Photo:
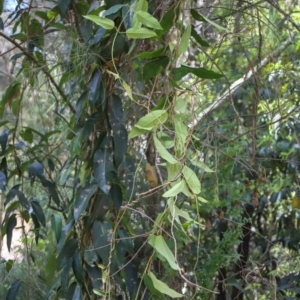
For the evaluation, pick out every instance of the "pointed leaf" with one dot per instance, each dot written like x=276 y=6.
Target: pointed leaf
x=77 y=268
x=2 y=181
x=95 y=86
x=11 y=224
x=50 y=268
x=63 y=6
x=184 y=42
x=3 y=139
x=140 y=33
x=163 y=152
x=148 y=20
x=201 y=18
x=198 y=38
x=163 y=288
x=191 y=179
x=175 y=190
x=38 y=212
x=83 y=197
x=113 y=10
x=155 y=67
x=13 y=290
x=103 y=22
x=160 y=245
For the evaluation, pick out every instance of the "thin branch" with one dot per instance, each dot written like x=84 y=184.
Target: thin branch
x=241 y=81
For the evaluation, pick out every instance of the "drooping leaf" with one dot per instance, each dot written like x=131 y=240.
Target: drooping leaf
x=1 y=21
x=103 y=22
x=36 y=169
x=68 y=250
x=50 y=268
x=148 y=20
x=155 y=67
x=27 y=135
x=94 y=86
x=198 y=38
x=120 y=137
x=163 y=152
x=103 y=166
x=163 y=288
x=140 y=33
x=2 y=181
x=83 y=197
x=77 y=268
x=184 y=41
x=63 y=6
x=201 y=18
x=3 y=140
x=151 y=121
x=98 y=36
x=160 y=245
x=63 y=233
x=38 y=212
x=13 y=290
x=37 y=227
x=113 y=9
x=175 y=190
x=102 y=233
x=11 y=224
x=11 y=93
x=204 y=73
x=11 y=194
x=129 y=170
x=151 y=54
x=191 y=179
x=169 y=19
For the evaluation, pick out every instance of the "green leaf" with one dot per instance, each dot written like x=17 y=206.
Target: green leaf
x=149 y=122
x=184 y=42
x=103 y=22
x=56 y=226
x=113 y=10
x=163 y=152
x=148 y=20
x=175 y=190
x=13 y=290
x=63 y=6
x=140 y=33
x=11 y=224
x=83 y=197
x=103 y=166
x=95 y=87
x=155 y=67
x=169 y=18
x=160 y=245
x=151 y=54
x=201 y=18
x=163 y=288
x=27 y=135
x=165 y=139
x=50 y=268
x=77 y=268
x=204 y=73
x=191 y=179
x=199 y=39
x=11 y=93
x=38 y=212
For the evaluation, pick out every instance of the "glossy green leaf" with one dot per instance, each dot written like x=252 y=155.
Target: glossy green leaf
x=13 y=290
x=191 y=179
x=198 y=38
x=77 y=268
x=151 y=54
x=82 y=199
x=163 y=288
x=160 y=245
x=95 y=86
x=166 y=140
x=148 y=20
x=50 y=268
x=113 y=9
x=184 y=41
x=201 y=18
x=27 y=135
x=204 y=73
x=169 y=19
x=152 y=120
x=163 y=152
x=56 y=225
x=103 y=22
x=38 y=212
x=175 y=190
x=155 y=67
x=63 y=6
x=140 y=33
x=11 y=224
x=103 y=167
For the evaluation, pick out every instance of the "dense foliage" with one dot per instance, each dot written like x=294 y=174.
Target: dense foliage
x=150 y=149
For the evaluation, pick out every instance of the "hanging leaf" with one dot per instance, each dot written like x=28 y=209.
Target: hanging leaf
x=120 y=137
x=169 y=19
x=94 y=86
x=198 y=38
x=163 y=152
x=13 y=290
x=2 y=181
x=103 y=22
x=175 y=190
x=11 y=224
x=113 y=10
x=148 y=20
x=103 y=167
x=155 y=67
x=184 y=41
x=11 y=93
x=140 y=33
x=151 y=54
x=149 y=122
x=3 y=140
x=77 y=268
x=191 y=179
x=163 y=288
x=63 y=6
x=38 y=212
x=36 y=169
x=160 y=245
x=83 y=197
x=204 y=73
x=50 y=268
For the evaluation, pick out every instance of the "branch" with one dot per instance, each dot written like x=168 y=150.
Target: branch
x=241 y=81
